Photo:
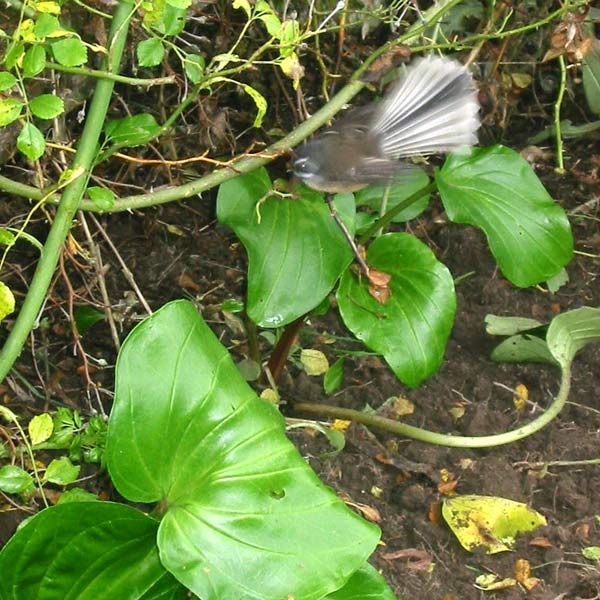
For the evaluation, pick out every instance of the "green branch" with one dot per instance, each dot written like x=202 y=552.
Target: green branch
x=444 y=439
x=246 y=164
x=111 y=76
x=69 y=202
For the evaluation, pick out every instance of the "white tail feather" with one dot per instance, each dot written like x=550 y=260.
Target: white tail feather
x=432 y=109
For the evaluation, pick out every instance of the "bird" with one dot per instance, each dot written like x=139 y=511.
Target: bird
x=432 y=109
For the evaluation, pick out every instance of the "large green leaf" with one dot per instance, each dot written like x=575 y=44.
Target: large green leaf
x=88 y=551
x=495 y=189
x=246 y=517
x=590 y=68
x=296 y=252
x=411 y=329
x=365 y=584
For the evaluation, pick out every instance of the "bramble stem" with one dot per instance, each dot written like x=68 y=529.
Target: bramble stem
x=69 y=202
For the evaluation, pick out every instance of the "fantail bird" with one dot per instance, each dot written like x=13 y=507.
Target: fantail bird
x=432 y=109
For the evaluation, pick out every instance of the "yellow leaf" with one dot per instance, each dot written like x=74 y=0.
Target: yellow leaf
x=521 y=396
x=314 y=362
x=403 y=407
x=51 y=8
x=270 y=395
x=40 y=428
x=490 y=583
x=488 y=521
x=292 y=68
x=340 y=425
x=7 y=301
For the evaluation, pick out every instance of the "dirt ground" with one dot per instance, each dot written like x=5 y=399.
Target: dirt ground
x=204 y=261
x=179 y=250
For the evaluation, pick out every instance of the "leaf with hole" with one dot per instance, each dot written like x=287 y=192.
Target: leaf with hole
x=187 y=431
x=495 y=189
x=411 y=329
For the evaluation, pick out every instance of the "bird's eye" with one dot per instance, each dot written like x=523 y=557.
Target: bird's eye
x=305 y=166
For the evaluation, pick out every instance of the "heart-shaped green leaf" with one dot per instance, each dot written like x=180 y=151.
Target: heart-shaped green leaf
x=86 y=550
x=495 y=189
x=296 y=252
x=411 y=329
x=245 y=515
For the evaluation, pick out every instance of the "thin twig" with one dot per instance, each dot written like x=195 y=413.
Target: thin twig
x=97 y=256
x=126 y=272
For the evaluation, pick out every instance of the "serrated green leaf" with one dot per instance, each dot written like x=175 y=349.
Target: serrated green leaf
x=7 y=301
x=46 y=25
x=186 y=429
x=85 y=550
x=10 y=110
x=34 y=60
x=7 y=80
x=590 y=68
x=571 y=331
x=194 y=67
x=378 y=197
x=495 y=189
x=103 y=198
x=46 y=106
x=14 y=480
x=13 y=55
x=292 y=244
x=31 y=142
x=264 y=13
x=172 y=20
x=70 y=52
x=132 y=131
x=150 y=52
x=411 y=329
x=62 y=471
x=40 y=428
